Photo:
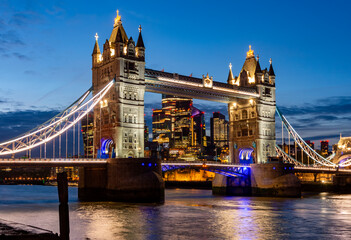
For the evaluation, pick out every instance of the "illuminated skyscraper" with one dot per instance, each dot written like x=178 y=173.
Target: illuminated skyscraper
x=311 y=144
x=88 y=135
x=178 y=125
x=219 y=130
x=325 y=147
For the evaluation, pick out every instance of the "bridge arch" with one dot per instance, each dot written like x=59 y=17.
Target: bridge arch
x=107 y=148
x=246 y=155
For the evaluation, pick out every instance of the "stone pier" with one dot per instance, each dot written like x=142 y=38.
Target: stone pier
x=269 y=179
x=124 y=180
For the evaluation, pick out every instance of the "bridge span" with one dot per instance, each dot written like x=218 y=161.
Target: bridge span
x=227 y=169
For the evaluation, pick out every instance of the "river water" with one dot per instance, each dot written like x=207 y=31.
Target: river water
x=186 y=214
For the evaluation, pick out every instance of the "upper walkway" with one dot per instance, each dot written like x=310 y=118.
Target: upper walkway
x=191 y=87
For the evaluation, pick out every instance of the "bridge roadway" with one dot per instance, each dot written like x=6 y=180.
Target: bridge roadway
x=89 y=162
x=191 y=87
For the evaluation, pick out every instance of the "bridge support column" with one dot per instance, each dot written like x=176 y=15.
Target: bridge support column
x=92 y=183
x=274 y=180
x=135 y=180
x=342 y=183
x=123 y=180
x=231 y=186
x=269 y=179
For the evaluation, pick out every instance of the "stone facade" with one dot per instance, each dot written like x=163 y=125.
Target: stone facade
x=119 y=119
x=252 y=121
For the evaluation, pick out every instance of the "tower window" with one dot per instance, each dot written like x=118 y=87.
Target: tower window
x=245 y=132
x=244 y=114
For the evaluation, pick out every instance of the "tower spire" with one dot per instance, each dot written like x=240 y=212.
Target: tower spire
x=230 y=75
x=250 y=53
x=258 y=66
x=140 y=42
x=117 y=19
x=271 y=71
x=96 y=46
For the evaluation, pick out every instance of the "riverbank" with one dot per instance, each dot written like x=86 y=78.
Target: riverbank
x=11 y=230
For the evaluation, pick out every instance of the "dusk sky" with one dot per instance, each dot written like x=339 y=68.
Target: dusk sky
x=46 y=46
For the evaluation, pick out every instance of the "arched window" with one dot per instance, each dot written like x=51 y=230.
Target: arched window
x=130 y=119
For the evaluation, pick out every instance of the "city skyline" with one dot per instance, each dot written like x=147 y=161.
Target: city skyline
x=46 y=66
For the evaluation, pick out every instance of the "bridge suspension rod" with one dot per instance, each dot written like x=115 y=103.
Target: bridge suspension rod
x=303 y=145
x=55 y=126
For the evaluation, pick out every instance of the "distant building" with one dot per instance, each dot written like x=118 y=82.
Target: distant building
x=87 y=124
x=219 y=130
x=324 y=147
x=146 y=134
x=311 y=144
x=178 y=126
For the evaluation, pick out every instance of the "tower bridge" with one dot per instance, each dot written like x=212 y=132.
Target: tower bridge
x=119 y=82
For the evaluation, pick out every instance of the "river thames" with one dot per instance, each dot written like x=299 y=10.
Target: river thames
x=186 y=214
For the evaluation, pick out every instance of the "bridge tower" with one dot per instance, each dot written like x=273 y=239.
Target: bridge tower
x=119 y=120
x=252 y=121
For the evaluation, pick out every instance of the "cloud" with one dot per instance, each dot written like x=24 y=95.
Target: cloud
x=13 y=124
x=30 y=72
x=21 y=56
x=10 y=38
x=23 y=19
x=330 y=106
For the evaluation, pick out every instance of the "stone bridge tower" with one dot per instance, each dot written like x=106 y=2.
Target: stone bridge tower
x=252 y=121
x=119 y=119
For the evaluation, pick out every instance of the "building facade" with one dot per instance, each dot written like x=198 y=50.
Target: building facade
x=252 y=121
x=119 y=119
x=179 y=126
x=219 y=130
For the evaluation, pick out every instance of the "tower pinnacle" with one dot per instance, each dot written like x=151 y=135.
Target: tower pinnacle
x=117 y=19
x=271 y=71
x=96 y=37
x=230 y=66
x=250 y=53
x=140 y=28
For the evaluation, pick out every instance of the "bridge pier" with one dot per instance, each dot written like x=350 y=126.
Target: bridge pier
x=231 y=186
x=342 y=183
x=269 y=179
x=123 y=180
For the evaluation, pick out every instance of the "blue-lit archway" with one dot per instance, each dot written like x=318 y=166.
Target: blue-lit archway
x=246 y=155
x=107 y=150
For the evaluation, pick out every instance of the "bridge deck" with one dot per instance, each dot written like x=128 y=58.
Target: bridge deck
x=49 y=162
x=90 y=162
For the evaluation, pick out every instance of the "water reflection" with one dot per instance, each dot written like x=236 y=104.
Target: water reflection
x=187 y=214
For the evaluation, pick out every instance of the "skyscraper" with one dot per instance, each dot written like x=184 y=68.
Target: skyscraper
x=325 y=147
x=219 y=130
x=178 y=125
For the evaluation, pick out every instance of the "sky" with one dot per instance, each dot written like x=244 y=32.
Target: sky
x=46 y=46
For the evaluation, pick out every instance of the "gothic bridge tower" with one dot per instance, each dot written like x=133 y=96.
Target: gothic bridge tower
x=119 y=119
x=252 y=121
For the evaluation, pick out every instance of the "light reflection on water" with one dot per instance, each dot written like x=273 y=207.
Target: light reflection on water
x=187 y=214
